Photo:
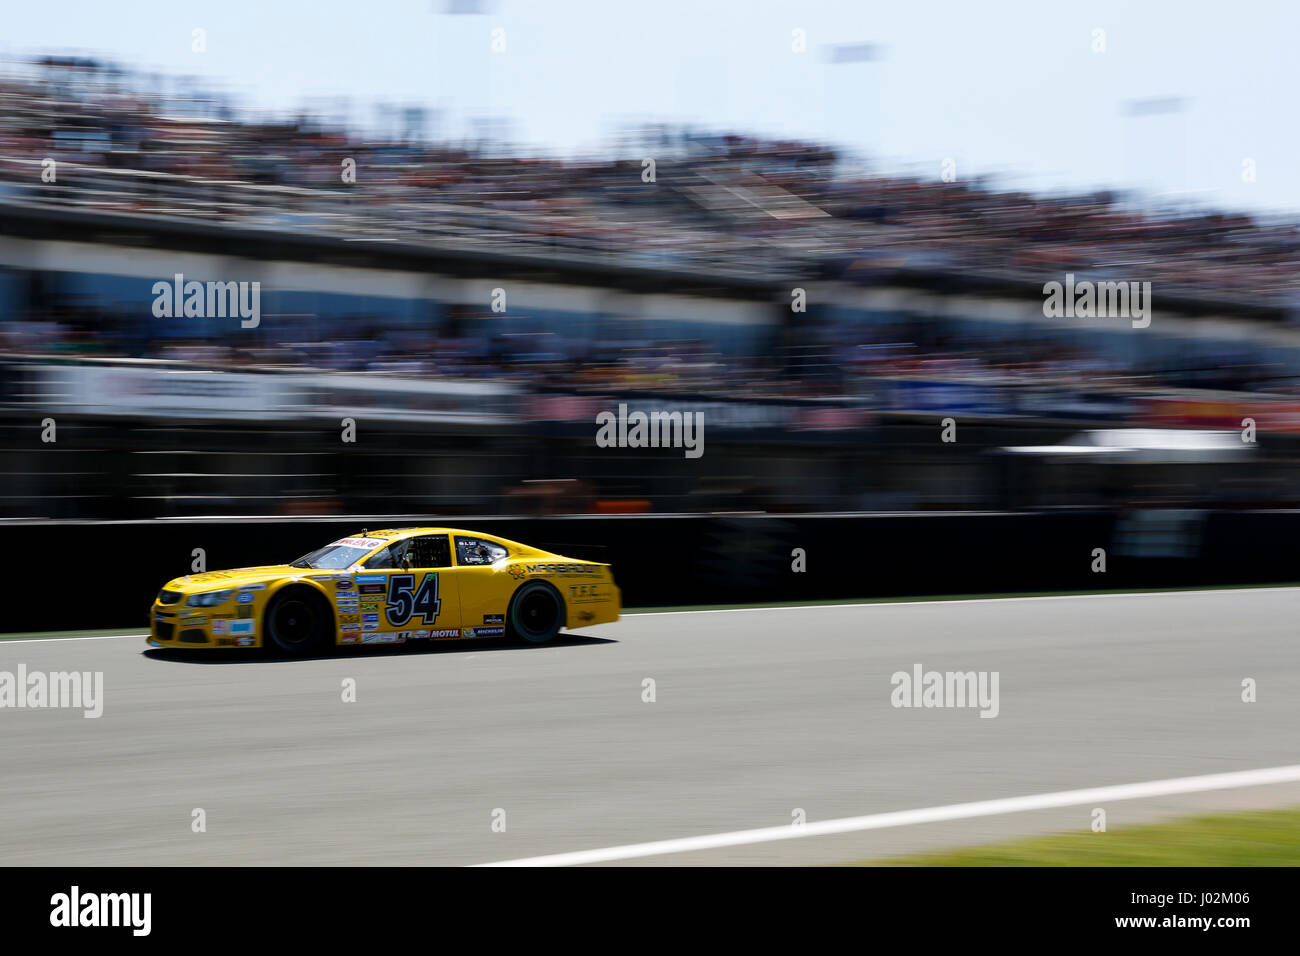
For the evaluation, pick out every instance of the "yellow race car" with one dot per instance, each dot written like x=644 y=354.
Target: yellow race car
x=388 y=587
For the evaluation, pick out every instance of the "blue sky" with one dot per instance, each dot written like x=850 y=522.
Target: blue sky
x=1012 y=89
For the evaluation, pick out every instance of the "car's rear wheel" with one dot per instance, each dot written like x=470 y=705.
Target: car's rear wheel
x=536 y=613
x=298 y=621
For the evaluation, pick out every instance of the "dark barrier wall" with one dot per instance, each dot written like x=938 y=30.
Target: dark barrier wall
x=67 y=576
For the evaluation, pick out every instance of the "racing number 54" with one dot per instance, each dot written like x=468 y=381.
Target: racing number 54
x=404 y=599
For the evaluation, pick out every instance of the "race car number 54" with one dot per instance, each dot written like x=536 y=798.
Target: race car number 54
x=404 y=599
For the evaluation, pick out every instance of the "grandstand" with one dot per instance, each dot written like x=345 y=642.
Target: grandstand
x=923 y=300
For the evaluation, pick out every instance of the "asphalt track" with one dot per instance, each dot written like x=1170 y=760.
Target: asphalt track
x=757 y=713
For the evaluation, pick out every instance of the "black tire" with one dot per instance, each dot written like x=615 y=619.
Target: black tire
x=536 y=613
x=298 y=620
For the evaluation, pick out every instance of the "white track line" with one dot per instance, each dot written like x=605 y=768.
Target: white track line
x=50 y=640
x=902 y=818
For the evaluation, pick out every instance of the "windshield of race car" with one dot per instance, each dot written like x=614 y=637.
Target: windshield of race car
x=339 y=555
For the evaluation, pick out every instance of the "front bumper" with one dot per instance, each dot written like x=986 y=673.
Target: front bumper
x=178 y=626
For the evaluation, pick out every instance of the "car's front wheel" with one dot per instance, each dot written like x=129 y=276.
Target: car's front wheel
x=297 y=621
x=536 y=613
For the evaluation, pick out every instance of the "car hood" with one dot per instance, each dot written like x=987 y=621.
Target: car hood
x=241 y=577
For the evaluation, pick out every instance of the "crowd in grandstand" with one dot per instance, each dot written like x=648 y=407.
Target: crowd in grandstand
x=713 y=195
x=716 y=199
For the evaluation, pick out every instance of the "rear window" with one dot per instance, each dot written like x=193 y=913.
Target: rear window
x=474 y=551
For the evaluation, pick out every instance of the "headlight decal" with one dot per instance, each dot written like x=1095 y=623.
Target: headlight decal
x=208 y=599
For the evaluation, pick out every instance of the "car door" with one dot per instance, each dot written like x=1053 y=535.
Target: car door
x=484 y=590
x=407 y=592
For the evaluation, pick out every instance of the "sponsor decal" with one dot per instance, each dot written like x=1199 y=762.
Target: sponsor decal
x=370 y=579
x=244 y=642
x=320 y=577
x=349 y=621
x=343 y=585
x=585 y=593
x=520 y=570
x=368 y=618
x=242 y=627
x=225 y=642
x=245 y=597
x=413 y=635
x=372 y=588
x=564 y=568
x=245 y=612
x=193 y=621
x=494 y=619
x=252 y=587
x=350 y=637
x=366 y=543
x=371 y=607
x=369 y=627
x=383 y=639
x=443 y=633
x=483 y=631
x=218 y=627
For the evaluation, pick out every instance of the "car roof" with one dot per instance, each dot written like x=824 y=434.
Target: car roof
x=406 y=532
x=392 y=535
x=518 y=548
